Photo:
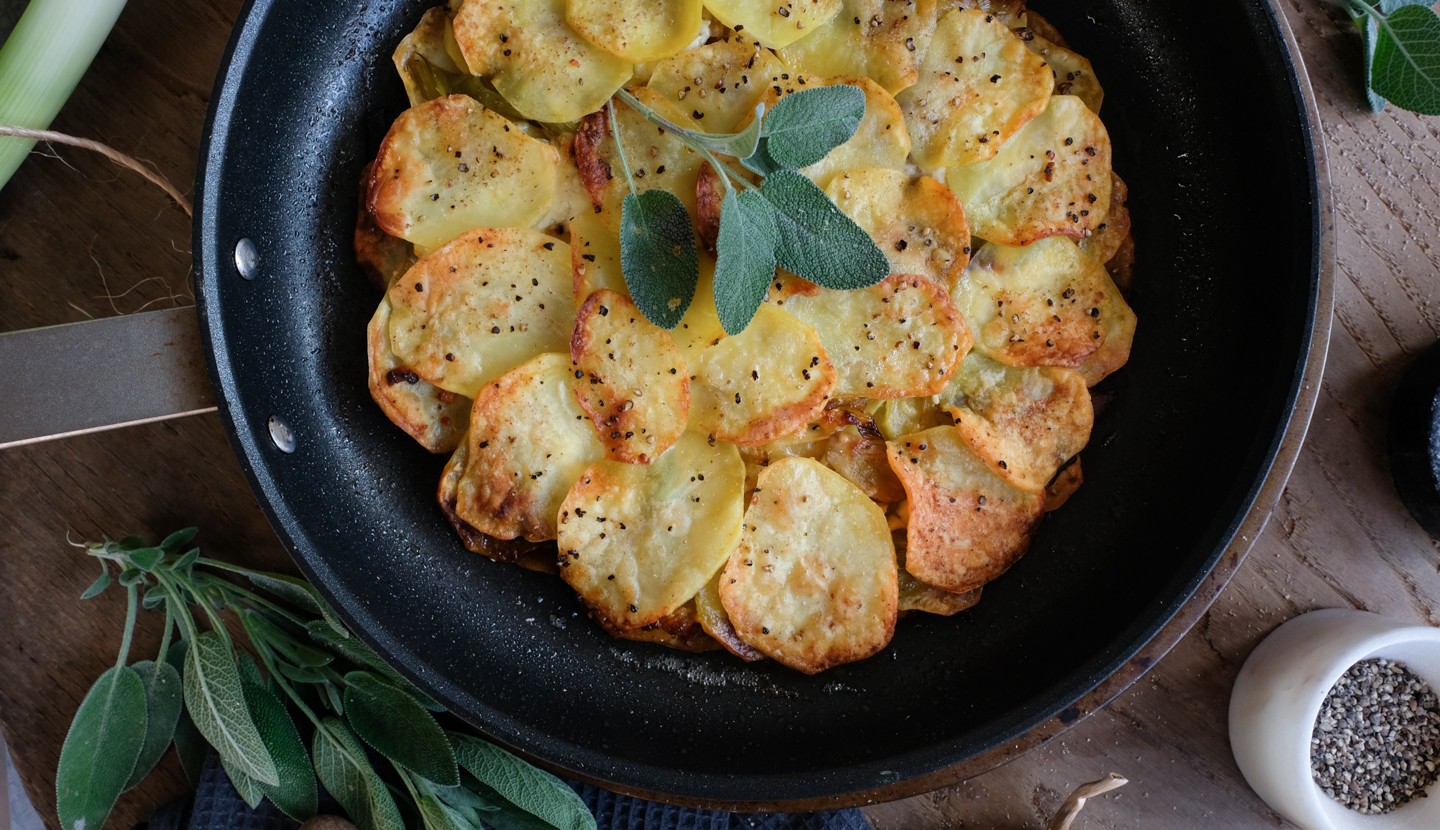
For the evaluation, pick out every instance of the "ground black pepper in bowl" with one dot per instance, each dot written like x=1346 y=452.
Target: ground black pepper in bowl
x=1376 y=743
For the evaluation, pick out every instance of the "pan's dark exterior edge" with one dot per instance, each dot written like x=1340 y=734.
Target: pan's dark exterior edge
x=1190 y=453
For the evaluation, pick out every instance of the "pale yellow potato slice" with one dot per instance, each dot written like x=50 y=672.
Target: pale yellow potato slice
x=636 y=31
x=917 y=222
x=1112 y=234
x=877 y=39
x=1044 y=304
x=595 y=256
x=1052 y=178
x=542 y=66
x=657 y=158
x=978 y=86
x=761 y=384
x=966 y=524
x=450 y=165
x=1024 y=422
x=637 y=541
x=482 y=304
x=422 y=53
x=1009 y=12
x=529 y=442
x=718 y=84
x=629 y=378
x=775 y=23
x=813 y=582
x=1073 y=73
x=916 y=596
x=571 y=198
x=902 y=416
x=432 y=416
x=900 y=338
x=1118 y=322
x=700 y=328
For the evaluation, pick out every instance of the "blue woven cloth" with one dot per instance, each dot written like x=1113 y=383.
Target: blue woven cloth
x=216 y=806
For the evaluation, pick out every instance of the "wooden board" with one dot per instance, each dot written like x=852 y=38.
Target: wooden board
x=75 y=231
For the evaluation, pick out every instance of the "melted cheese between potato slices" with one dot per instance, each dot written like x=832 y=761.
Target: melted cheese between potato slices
x=788 y=492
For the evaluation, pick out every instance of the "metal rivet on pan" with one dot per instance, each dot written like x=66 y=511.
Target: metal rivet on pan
x=247 y=259
x=280 y=433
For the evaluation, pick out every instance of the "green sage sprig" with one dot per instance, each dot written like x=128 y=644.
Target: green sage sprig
x=308 y=675
x=785 y=220
x=1402 y=52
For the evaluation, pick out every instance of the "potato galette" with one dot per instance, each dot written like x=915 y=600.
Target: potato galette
x=789 y=490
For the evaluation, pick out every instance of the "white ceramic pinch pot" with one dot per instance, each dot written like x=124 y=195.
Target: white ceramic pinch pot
x=1278 y=695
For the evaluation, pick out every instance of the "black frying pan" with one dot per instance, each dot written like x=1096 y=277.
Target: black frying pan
x=1210 y=130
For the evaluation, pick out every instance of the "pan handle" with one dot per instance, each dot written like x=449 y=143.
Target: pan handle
x=96 y=375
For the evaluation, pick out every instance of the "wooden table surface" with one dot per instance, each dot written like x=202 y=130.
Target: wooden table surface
x=80 y=239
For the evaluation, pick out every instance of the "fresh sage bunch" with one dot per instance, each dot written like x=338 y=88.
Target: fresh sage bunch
x=373 y=742
x=1402 y=52
x=785 y=220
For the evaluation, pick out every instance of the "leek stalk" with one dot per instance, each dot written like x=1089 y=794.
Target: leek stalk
x=42 y=62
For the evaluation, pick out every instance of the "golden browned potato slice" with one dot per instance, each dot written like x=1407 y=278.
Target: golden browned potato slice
x=967 y=525
x=383 y=258
x=1044 y=28
x=813 y=582
x=629 y=377
x=1118 y=322
x=1024 y=422
x=878 y=39
x=1066 y=482
x=679 y=630
x=529 y=442
x=718 y=84
x=422 y=53
x=522 y=552
x=595 y=256
x=571 y=198
x=917 y=222
x=1052 y=178
x=1044 y=304
x=1111 y=235
x=434 y=417
x=482 y=304
x=450 y=165
x=712 y=617
x=636 y=31
x=900 y=338
x=978 y=86
x=927 y=599
x=863 y=461
x=1073 y=73
x=639 y=540
x=658 y=159
x=542 y=66
x=775 y=23
x=1009 y=12
x=766 y=382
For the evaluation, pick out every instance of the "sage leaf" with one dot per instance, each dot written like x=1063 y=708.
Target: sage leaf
x=805 y=126
x=216 y=703
x=297 y=592
x=399 y=728
x=745 y=261
x=186 y=562
x=300 y=674
x=436 y=816
x=146 y=559
x=248 y=788
x=361 y=656
x=131 y=577
x=1406 y=64
x=190 y=746
x=161 y=683
x=99 y=753
x=818 y=241
x=179 y=539
x=760 y=160
x=658 y=255
x=99 y=585
x=345 y=771
x=132 y=542
x=295 y=794
x=261 y=629
x=1389 y=6
x=153 y=598
x=532 y=790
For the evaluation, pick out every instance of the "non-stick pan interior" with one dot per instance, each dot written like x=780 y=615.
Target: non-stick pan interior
x=1213 y=144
